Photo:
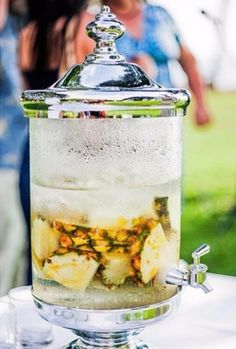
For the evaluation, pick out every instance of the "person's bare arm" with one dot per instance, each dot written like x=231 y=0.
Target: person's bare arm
x=147 y=63
x=83 y=44
x=196 y=84
x=4 y=5
x=23 y=57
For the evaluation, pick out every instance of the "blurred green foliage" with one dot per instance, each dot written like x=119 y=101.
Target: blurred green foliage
x=209 y=204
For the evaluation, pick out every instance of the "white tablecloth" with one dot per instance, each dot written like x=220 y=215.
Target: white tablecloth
x=203 y=321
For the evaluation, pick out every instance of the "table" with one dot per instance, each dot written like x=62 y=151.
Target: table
x=203 y=321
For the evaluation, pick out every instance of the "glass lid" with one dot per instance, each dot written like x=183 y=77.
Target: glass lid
x=105 y=85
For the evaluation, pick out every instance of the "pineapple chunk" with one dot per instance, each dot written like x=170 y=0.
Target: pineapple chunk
x=38 y=265
x=80 y=241
x=69 y=228
x=135 y=248
x=111 y=233
x=45 y=239
x=65 y=241
x=154 y=247
x=101 y=245
x=71 y=270
x=122 y=236
x=86 y=248
x=117 y=268
x=161 y=209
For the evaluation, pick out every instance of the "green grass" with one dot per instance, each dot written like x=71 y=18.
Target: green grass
x=209 y=205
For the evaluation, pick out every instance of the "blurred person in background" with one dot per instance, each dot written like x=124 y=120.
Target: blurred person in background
x=46 y=51
x=151 y=41
x=12 y=138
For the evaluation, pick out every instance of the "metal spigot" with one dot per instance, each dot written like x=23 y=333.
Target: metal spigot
x=194 y=274
x=198 y=271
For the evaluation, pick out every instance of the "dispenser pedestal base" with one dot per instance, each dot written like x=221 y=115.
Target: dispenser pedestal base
x=107 y=329
x=135 y=344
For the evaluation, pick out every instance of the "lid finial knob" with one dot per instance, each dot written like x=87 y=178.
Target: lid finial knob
x=105 y=30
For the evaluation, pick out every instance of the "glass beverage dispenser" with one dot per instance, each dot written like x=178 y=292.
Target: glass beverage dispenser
x=106 y=152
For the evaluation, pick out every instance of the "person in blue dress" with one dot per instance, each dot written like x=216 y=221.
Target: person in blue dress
x=12 y=123
x=12 y=137
x=152 y=41
x=158 y=39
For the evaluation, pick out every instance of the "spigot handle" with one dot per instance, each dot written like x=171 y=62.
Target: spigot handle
x=199 y=252
x=206 y=287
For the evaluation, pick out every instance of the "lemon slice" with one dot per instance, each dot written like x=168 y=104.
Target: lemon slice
x=45 y=239
x=71 y=270
x=117 y=267
x=155 y=246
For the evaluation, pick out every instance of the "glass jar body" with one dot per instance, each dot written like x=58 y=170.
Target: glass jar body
x=105 y=200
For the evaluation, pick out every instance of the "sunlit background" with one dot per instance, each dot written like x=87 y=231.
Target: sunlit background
x=208 y=27
x=209 y=206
